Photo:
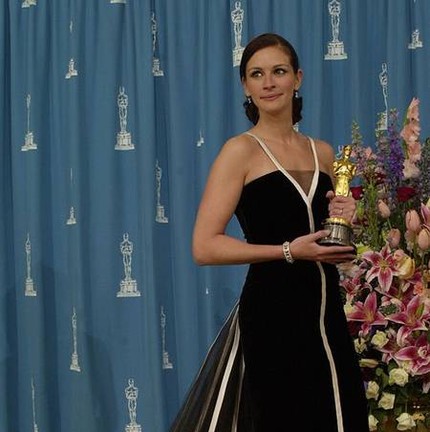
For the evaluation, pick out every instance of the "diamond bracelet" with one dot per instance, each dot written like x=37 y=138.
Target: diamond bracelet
x=287 y=253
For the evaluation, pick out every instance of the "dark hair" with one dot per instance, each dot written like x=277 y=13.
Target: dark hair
x=256 y=44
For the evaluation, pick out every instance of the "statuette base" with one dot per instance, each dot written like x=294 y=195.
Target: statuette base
x=341 y=233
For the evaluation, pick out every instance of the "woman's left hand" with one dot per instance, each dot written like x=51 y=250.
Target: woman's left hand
x=341 y=206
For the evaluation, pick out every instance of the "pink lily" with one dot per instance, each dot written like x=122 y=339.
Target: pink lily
x=367 y=313
x=412 y=286
x=353 y=284
x=418 y=355
x=412 y=318
x=383 y=266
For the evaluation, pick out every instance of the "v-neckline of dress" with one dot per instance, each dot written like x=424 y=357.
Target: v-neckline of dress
x=307 y=197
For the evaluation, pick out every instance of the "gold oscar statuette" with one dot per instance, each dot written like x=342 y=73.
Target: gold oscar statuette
x=340 y=229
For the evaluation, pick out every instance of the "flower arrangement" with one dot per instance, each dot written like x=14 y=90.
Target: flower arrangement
x=386 y=288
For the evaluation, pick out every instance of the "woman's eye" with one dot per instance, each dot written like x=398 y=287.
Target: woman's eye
x=255 y=74
x=280 y=71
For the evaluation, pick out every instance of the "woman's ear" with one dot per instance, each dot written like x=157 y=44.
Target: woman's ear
x=299 y=78
x=245 y=88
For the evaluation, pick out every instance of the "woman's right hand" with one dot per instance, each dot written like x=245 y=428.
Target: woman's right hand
x=307 y=248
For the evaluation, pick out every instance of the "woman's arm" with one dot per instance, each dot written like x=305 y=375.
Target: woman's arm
x=226 y=179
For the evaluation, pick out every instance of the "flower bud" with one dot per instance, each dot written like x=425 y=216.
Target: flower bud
x=368 y=363
x=413 y=221
x=383 y=209
x=393 y=237
x=425 y=212
x=423 y=239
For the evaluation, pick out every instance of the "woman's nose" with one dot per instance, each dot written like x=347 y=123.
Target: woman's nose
x=268 y=81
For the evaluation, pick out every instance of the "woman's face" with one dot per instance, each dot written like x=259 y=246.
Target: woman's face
x=270 y=80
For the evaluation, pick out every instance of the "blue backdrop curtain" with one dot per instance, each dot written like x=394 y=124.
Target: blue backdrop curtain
x=111 y=113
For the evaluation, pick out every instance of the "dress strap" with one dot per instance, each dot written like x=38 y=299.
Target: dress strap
x=314 y=151
x=269 y=153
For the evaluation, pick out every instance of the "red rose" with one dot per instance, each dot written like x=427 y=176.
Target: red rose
x=405 y=192
x=356 y=192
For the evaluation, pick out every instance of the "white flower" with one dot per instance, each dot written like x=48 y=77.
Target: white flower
x=398 y=376
x=405 y=422
x=387 y=401
x=373 y=423
x=372 y=390
x=359 y=345
x=379 y=339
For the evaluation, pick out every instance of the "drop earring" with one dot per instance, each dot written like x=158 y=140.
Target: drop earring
x=248 y=100
x=296 y=94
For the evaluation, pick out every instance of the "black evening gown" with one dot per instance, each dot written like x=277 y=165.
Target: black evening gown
x=284 y=360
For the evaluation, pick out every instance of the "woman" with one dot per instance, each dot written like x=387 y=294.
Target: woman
x=284 y=361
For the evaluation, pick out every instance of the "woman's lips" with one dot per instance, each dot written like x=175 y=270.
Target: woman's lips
x=270 y=97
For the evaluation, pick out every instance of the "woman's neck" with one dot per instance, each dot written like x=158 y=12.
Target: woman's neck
x=282 y=132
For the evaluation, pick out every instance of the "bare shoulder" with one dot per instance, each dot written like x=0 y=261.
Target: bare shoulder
x=237 y=152
x=233 y=160
x=325 y=155
x=324 y=149
x=238 y=146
